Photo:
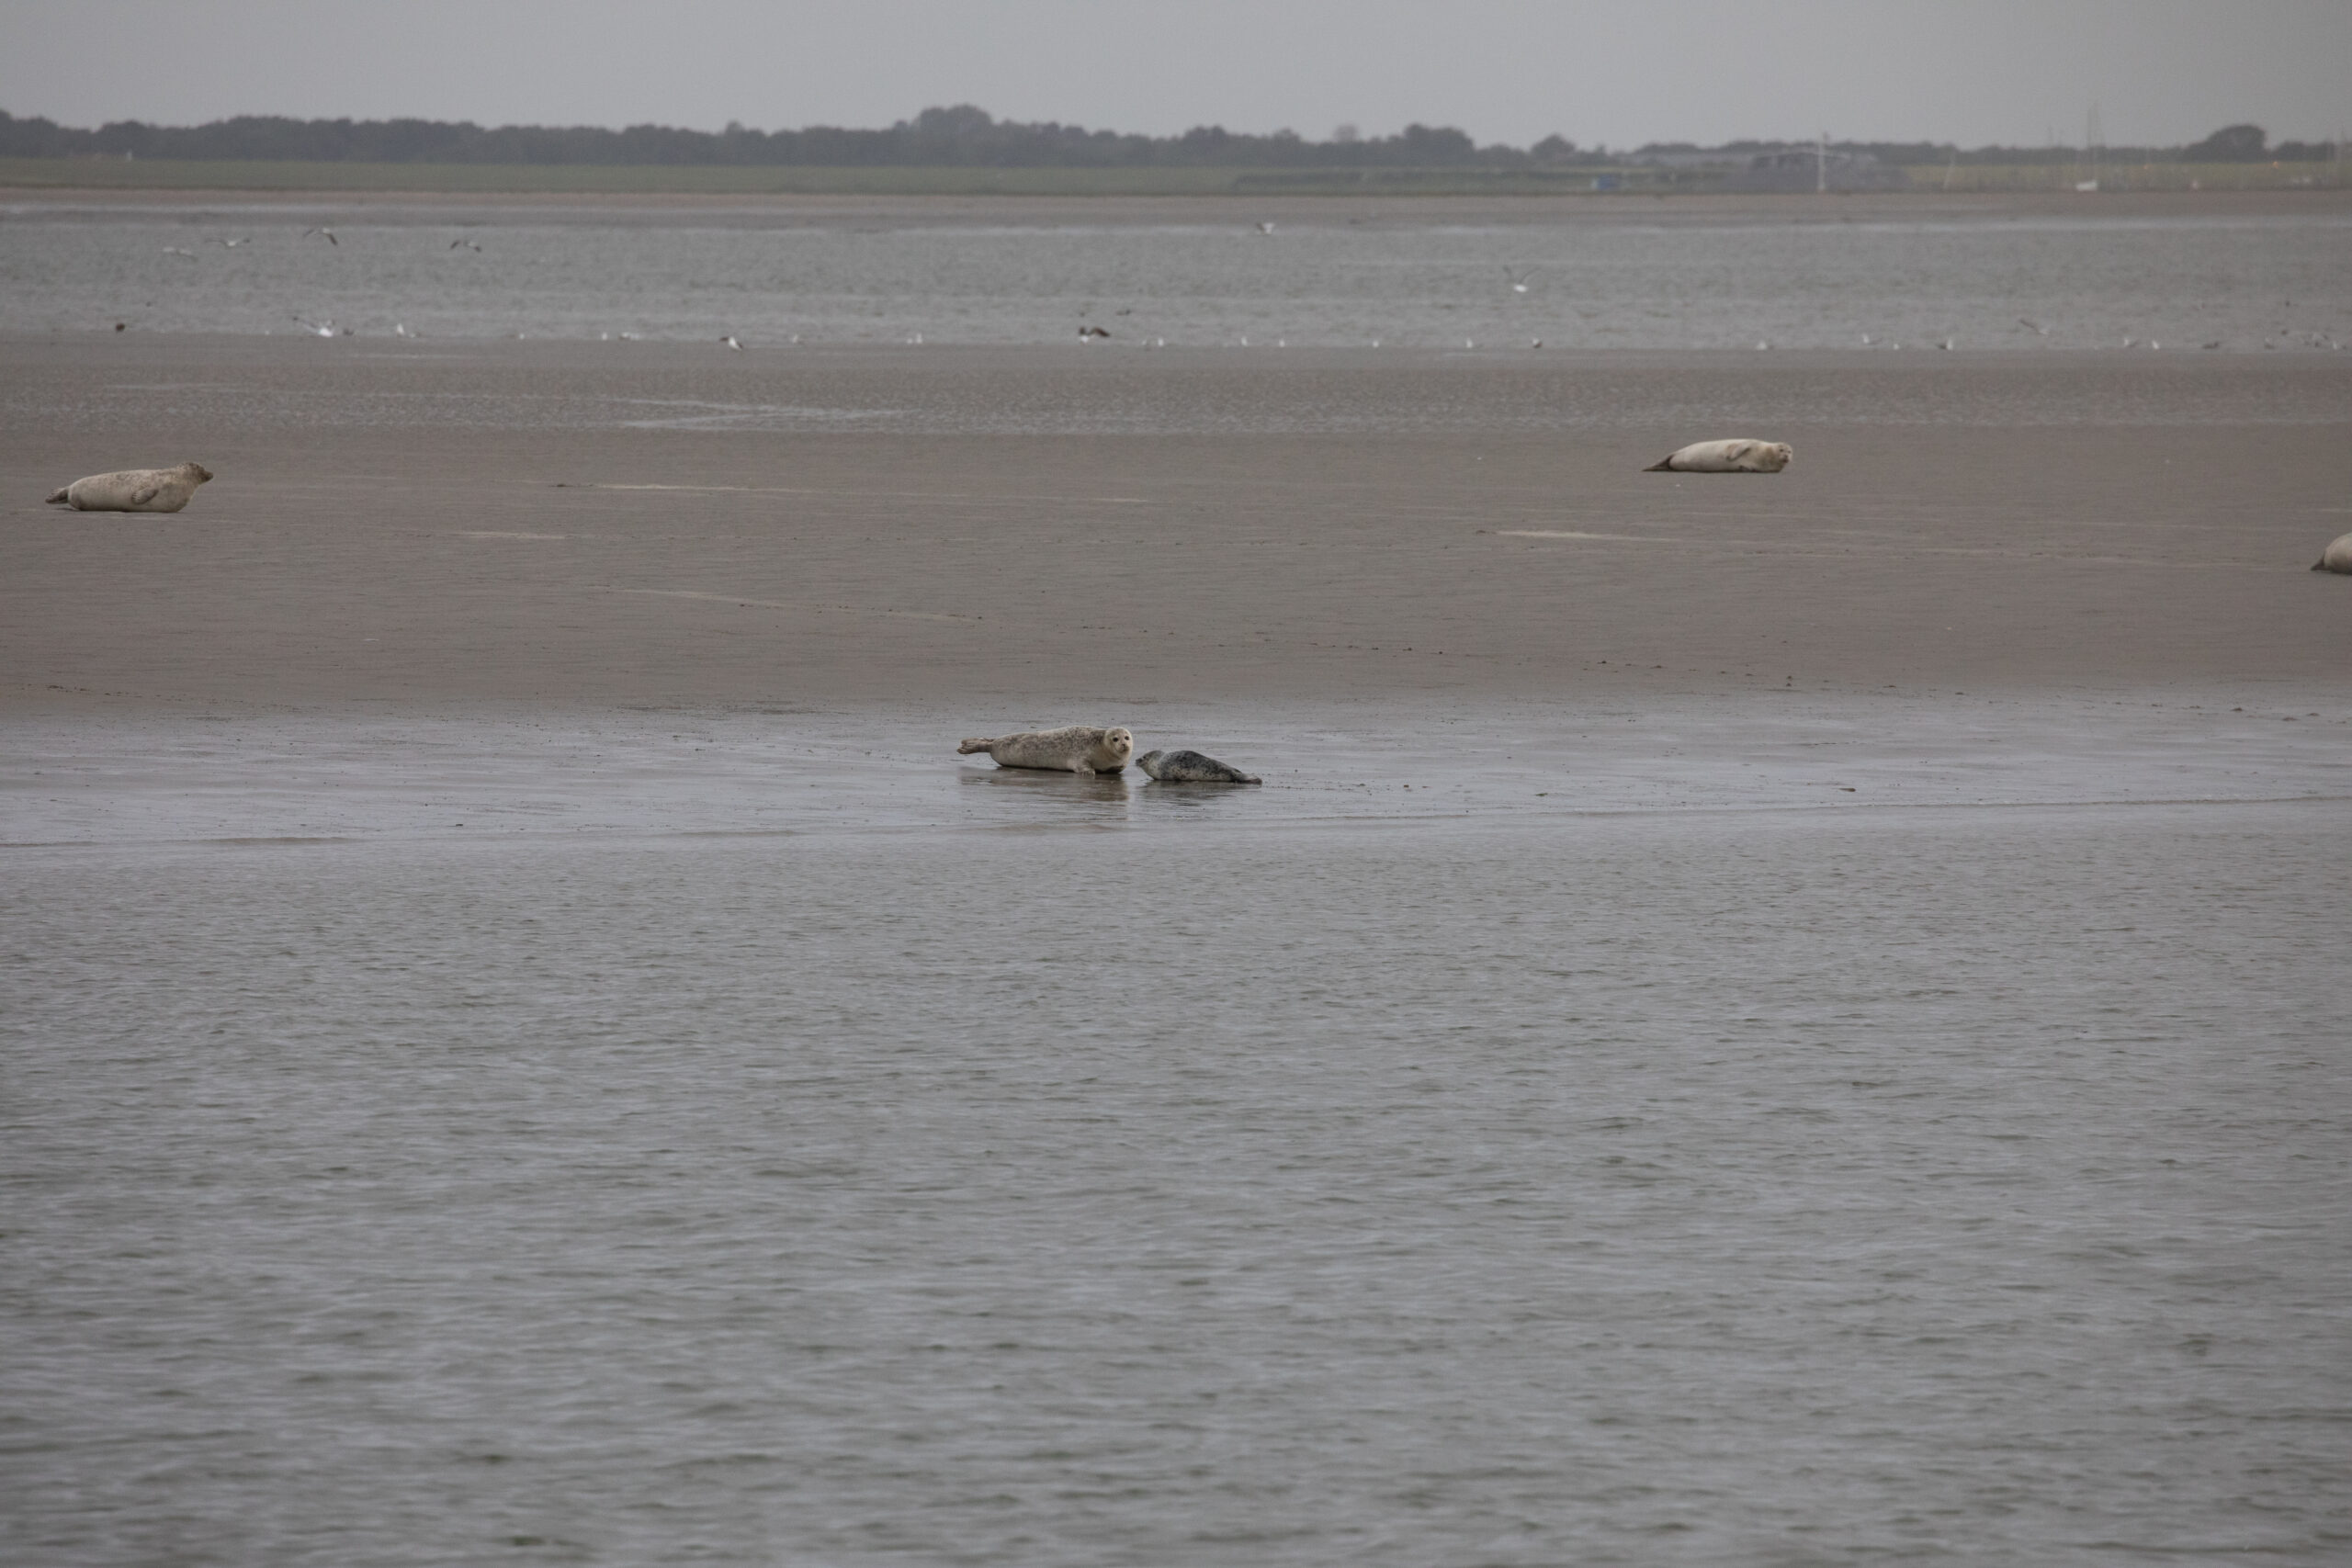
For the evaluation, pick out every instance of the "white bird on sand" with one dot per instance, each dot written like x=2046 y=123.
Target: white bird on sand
x=1947 y=342
x=400 y=329
x=1518 y=280
x=730 y=341
x=232 y=244
x=1536 y=342
x=2034 y=327
x=176 y=251
x=1265 y=228
x=328 y=233
x=1866 y=340
x=469 y=244
x=321 y=329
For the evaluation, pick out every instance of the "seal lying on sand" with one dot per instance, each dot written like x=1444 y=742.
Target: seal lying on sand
x=134 y=489
x=1190 y=767
x=1726 y=457
x=1075 y=749
x=2337 y=557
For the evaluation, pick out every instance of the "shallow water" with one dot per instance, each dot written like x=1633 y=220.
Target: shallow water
x=1620 y=281
x=737 y=1137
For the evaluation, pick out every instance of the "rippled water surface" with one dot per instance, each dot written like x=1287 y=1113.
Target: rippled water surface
x=1613 y=282
x=704 y=1137
x=1867 y=1125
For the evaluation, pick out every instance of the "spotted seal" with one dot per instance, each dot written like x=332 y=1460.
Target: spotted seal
x=1740 y=457
x=1190 y=767
x=134 y=489
x=1073 y=748
x=2337 y=557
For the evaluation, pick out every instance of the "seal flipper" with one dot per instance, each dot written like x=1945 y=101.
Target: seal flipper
x=2319 y=564
x=968 y=747
x=1663 y=466
x=61 y=498
x=142 y=497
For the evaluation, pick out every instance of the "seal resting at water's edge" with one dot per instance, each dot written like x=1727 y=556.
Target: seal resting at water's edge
x=2337 y=557
x=134 y=489
x=1073 y=748
x=1741 y=457
x=1190 y=767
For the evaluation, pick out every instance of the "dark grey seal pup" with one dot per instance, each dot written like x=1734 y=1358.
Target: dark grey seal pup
x=1190 y=767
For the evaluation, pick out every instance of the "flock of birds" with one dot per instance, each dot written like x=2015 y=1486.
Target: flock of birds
x=1518 y=280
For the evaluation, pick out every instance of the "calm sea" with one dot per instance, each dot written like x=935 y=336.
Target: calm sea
x=746 y=1138
x=1596 y=278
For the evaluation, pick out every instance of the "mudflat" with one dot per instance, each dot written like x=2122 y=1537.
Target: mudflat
x=672 y=522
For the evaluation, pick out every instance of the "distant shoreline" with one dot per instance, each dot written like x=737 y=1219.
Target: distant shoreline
x=125 y=175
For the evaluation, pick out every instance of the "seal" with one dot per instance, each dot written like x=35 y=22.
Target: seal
x=2337 y=557
x=1726 y=457
x=1190 y=767
x=1073 y=748
x=134 y=489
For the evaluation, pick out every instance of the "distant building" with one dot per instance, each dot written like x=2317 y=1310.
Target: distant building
x=1810 y=168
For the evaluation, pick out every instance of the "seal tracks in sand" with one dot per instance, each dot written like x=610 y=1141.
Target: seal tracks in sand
x=782 y=604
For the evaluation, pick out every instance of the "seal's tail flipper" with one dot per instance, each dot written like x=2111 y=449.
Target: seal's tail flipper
x=59 y=498
x=1663 y=466
x=969 y=747
x=2319 y=564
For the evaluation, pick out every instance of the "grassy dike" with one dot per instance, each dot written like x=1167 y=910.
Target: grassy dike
x=707 y=179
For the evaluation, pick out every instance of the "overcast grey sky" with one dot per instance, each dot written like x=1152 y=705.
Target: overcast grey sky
x=1969 y=71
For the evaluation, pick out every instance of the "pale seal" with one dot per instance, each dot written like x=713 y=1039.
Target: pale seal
x=1726 y=457
x=1190 y=767
x=2337 y=557
x=134 y=489
x=1074 y=749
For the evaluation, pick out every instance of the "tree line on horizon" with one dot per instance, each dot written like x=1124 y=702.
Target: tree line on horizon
x=966 y=136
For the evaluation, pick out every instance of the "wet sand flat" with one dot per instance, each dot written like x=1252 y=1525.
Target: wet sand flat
x=674 y=523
